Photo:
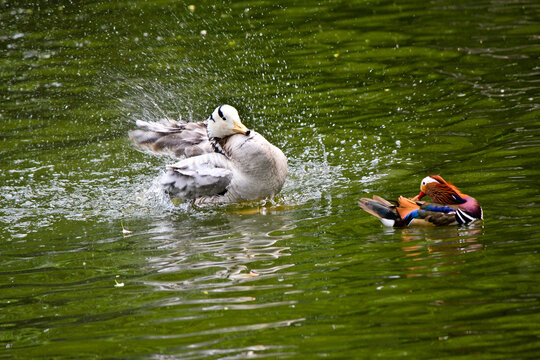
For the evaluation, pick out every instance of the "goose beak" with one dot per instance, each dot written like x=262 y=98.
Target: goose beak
x=240 y=128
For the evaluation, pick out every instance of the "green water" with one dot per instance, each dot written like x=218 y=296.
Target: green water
x=364 y=97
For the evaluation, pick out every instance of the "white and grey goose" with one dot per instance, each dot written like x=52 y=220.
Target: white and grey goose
x=222 y=161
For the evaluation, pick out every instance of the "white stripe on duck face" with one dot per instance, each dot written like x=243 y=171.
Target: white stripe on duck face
x=427 y=180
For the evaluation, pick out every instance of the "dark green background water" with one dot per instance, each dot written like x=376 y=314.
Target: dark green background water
x=364 y=97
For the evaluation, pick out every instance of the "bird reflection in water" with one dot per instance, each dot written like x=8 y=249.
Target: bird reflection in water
x=218 y=259
x=427 y=245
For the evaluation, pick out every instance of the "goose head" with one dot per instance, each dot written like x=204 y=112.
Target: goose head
x=224 y=122
x=440 y=191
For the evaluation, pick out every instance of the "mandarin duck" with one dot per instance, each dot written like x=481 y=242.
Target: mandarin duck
x=222 y=161
x=449 y=206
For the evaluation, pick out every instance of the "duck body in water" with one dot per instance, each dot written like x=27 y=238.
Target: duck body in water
x=448 y=206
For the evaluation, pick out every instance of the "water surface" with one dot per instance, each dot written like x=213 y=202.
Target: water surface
x=364 y=97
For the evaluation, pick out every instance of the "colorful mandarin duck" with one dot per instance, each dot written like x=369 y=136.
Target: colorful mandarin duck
x=449 y=206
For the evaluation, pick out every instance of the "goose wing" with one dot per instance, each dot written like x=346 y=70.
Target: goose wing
x=200 y=176
x=180 y=138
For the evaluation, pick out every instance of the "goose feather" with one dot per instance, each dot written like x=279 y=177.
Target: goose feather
x=221 y=160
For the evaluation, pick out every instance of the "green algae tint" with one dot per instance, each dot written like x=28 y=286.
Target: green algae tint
x=364 y=97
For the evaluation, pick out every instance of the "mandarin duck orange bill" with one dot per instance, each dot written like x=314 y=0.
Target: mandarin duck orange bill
x=449 y=206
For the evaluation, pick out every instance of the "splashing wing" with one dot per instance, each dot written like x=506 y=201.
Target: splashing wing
x=177 y=137
x=197 y=177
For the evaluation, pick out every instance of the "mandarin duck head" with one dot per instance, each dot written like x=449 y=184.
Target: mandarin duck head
x=440 y=191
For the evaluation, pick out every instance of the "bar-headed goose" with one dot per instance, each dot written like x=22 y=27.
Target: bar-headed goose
x=222 y=161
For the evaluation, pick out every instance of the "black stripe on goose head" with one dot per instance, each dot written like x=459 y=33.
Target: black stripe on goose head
x=220 y=113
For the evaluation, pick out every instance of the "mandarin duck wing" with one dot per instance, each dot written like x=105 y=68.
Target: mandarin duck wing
x=384 y=201
x=429 y=206
x=384 y=210
x=440 y=215
x=433 y=218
